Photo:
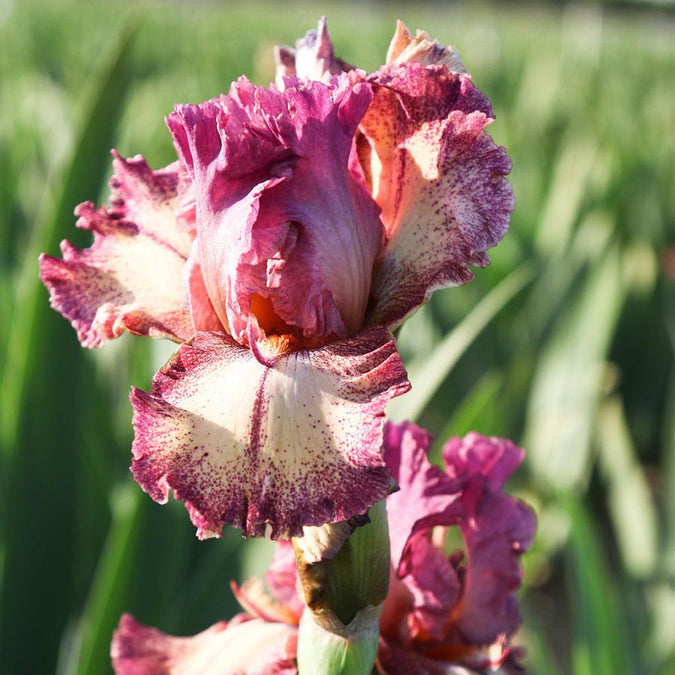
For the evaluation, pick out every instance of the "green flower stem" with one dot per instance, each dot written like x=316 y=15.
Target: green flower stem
x=345 y=579
x=331 y=647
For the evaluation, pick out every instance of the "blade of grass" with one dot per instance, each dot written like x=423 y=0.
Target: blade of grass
x=40 y=427
x=476 y=411
x=599 y=645
x=669 y=443
x=568 y=186
x=539 y=656
x=81 y=180
x=568 y=379
x=631 y=507
x=107 y=597
x=427 y=374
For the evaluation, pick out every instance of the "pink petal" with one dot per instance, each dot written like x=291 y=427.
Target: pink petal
x=203 y=315
x=281 y=578
x=434 y=586
x=240 y=647
x=291 y=442
x=497 y=530
x=285 y=233
x=439 y=179
x=130 y=278
x=427 y=497
x=256 y=601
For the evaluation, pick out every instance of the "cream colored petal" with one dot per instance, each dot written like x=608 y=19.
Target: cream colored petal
x=290 y=442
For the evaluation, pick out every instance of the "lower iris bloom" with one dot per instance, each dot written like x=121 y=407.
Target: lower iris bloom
x=299 y=226
x=448 y=611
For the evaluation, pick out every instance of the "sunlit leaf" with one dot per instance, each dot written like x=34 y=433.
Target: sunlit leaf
x=630 y=503
x=428 y=372
x=569 y=377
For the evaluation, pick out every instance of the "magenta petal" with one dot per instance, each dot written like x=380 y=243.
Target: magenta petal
x=130 y=278
x=434 y=586
x=240 y=647
x=439 y=179
x=428 y=497
x=497 y=530
x=292 y=443
x=285 y=233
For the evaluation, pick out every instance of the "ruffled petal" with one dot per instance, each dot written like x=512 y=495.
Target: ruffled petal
x=240 y=647
x=434 y=587
x=286 y=234
x=497 y=530
x=439 y=179
x=454 y=610
x=427 y=497
x=290 y=442
x=131 y=277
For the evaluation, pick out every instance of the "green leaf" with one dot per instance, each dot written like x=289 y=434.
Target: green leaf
x=108 y=590
x=81 y=180
x=568 y=186
x=40 y=425
x=599 y=643
x=631 y=506
x=569 y=377
x=426 y=374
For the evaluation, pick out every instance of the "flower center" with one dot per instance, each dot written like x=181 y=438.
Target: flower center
x=267 y=318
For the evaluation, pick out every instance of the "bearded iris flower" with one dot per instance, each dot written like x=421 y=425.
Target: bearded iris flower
x=300 y=225
x=446 y=612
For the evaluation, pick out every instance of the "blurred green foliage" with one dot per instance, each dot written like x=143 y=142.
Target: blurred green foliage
x=565 y=343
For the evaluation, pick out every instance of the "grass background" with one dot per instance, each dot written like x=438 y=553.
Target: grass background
x=565 y=343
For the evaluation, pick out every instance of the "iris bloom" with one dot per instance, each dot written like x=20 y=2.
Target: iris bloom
x=447 y=611
x=299 y=226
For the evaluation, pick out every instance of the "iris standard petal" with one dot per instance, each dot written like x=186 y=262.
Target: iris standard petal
x=313 y=57
x=130 y=278
x=439 y=179
x=405 y=48
x=203 y=314
x=286 y=234
x=291 y=442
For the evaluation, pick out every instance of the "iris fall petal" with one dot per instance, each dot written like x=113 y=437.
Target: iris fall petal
x=293 y=442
